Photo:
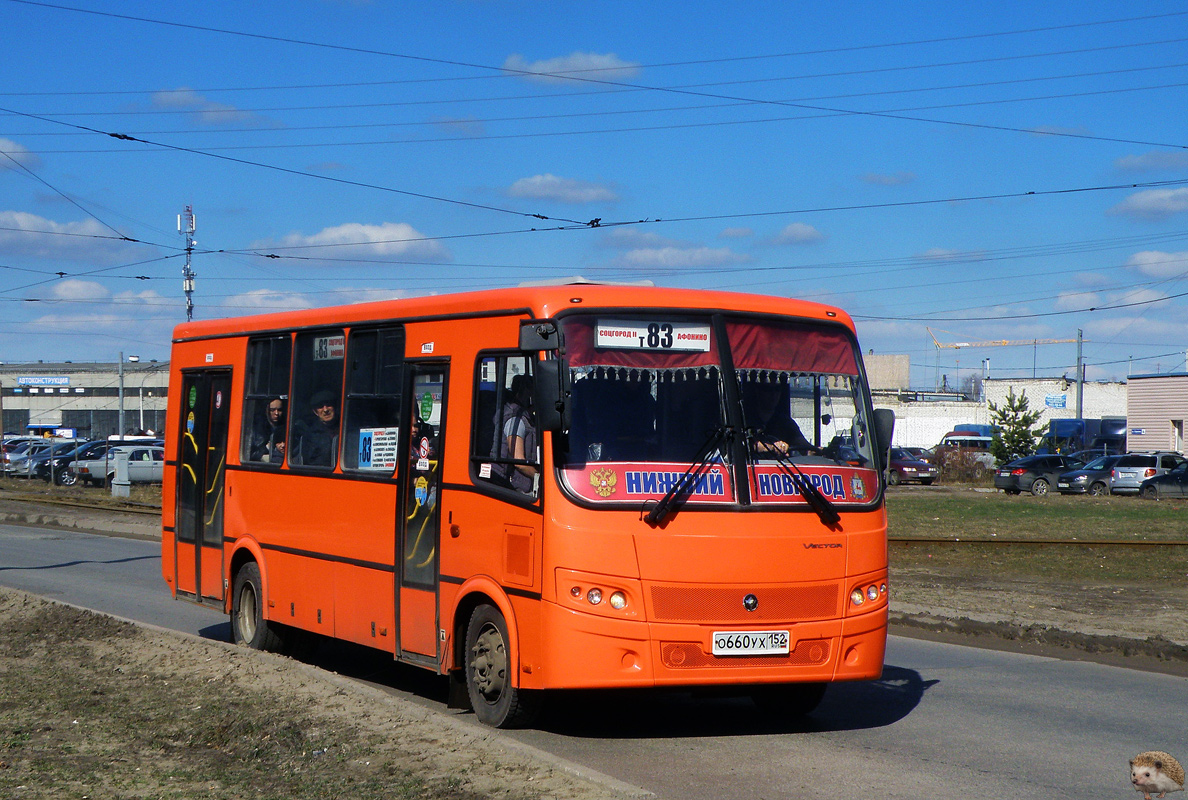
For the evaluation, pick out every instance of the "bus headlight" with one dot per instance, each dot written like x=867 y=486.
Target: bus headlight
x=618 y=601
x=857 y=597
x=594 y=596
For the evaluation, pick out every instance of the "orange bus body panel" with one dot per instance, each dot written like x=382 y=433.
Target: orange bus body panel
x=329 y=551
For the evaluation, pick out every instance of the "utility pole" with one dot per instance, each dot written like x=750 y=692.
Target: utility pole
x=121 y=373
x=187 y=229
x=1080 y=378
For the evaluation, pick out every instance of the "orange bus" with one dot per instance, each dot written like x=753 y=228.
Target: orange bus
x=575 y=486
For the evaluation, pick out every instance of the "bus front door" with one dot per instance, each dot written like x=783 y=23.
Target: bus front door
x=201 y=459
x=420 y=516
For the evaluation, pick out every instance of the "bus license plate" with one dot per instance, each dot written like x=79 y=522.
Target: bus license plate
x=750 y=643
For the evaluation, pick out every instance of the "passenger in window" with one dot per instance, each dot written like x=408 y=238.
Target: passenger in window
x=317 y=438
x=268 y=441
x=774 y=430
x=518 y=439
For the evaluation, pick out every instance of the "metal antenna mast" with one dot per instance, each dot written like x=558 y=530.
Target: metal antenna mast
x=188 y=274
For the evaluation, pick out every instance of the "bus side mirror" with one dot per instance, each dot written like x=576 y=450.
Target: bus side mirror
x=884 y=427
x=550 y=394
x=538 y=335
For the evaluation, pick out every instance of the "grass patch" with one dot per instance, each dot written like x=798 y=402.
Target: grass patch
x=977 y=519
x=968 y=514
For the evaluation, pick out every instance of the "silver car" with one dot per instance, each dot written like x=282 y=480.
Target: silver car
x=146 y=464
x=1133 y=468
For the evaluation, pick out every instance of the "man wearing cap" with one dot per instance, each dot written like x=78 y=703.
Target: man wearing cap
x=317 y=443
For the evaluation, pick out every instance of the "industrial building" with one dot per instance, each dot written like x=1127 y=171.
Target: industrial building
x=87 y=400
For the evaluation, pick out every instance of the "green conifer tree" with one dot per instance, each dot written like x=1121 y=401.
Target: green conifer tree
x=1015 y=433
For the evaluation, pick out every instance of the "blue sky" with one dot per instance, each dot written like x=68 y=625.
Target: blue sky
x=989 y=172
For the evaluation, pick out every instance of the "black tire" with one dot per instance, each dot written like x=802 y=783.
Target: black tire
x=926 y=481
x=248 y=626
x=1040 y=487
x=64 y=477
x=1098 y=489
x=893 y=478
x=788 y=701
x=490 y=669
x=1150 y=492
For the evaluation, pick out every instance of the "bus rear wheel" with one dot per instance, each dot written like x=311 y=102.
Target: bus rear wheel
x=248 y=626
x=489 y=672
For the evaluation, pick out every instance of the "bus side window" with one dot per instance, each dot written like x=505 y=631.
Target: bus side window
x=315 y=413
x=267 y=389
x=505 y=449
x=371 y=422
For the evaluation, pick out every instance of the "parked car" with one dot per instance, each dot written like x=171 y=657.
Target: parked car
x=1093 y=478
x=35 y=464
x=60 y=467
x=1173 y=483
x=963 y=450
x=146 y=464
x=921 y=454
x=1133 y=468
x=1035 y=474
x=906 y=467
x=17 y=463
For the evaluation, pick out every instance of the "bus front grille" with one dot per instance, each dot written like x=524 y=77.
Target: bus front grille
x=690 y=655
x=725 y=605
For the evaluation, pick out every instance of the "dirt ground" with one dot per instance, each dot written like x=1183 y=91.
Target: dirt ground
x=1138 y=626
x=92 y=707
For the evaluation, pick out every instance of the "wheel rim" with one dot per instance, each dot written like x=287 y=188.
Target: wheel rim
x=247 y=612
x=1039 y=487
x=1097 y=490
x=489 y=663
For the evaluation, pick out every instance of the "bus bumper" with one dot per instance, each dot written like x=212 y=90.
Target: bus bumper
x=591 y=651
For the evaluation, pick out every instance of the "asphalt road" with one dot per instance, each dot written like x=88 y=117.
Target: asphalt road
x=945 y=721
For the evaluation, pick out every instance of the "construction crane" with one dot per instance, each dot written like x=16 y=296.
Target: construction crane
x=1033 y=343
x=995 y=342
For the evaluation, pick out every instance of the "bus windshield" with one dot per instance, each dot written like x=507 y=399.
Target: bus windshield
x=748 y=403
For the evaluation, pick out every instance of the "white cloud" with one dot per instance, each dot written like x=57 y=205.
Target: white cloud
x=736 y=233
x=74 y=289
x=626 y=238
x=353 y=239
x=880 y=179
x=576 y=64
x=1159 y=264
x=1154 y=161
x=263 y=301
x=1153 y=204
x=207 y=112
x=18 y=153
x=1151 y=298
x=799 y=233
x=37 y=237
x=1071 y=301
x=679 y=257
x=562 y=190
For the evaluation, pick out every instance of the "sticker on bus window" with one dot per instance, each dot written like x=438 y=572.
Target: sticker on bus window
x=377 y=448
x=329 y=348
x=652 y=335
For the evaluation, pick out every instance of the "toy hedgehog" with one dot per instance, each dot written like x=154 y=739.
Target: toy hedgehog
x=1154 y=771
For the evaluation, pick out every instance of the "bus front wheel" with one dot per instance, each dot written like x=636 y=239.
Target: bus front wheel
x=248 y=626
x=489 y=673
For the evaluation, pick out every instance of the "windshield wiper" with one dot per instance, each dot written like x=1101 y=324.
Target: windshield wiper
x=817 y=501
x=684 y=486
